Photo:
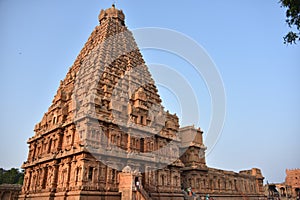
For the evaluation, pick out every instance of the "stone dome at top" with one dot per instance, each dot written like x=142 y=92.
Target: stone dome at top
x=113 y=13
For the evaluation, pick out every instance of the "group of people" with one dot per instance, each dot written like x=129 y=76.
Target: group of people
x=192 y=195
x=207 y=197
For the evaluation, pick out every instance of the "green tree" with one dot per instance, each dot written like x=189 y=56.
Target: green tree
x=1 y=175
x=12 y=176
x=292 y=19
x=21 y=177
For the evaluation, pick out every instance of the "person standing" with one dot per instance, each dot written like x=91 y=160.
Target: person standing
x=207 y=197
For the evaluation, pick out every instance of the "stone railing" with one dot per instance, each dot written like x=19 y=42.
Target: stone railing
x=144 y=193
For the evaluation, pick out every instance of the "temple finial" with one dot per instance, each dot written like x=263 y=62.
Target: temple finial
x=114 y=3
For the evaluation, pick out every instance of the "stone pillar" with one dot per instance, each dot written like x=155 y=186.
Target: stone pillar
x=128 y=143
x=69 y=162
x=125 y=184
x=54 y=181
x=34 y=152
x=29 y=181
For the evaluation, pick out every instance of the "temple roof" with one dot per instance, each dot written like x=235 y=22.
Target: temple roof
x=111 y=13
x=108 y=81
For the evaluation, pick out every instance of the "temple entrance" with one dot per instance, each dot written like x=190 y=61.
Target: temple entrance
x=137 y=183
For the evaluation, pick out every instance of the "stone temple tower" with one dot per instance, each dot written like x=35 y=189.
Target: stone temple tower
x=106 y=116
x=106 y=135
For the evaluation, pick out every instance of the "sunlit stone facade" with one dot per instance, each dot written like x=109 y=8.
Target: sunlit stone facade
x=107 y=136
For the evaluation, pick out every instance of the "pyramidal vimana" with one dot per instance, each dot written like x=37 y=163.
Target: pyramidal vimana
x=106 y=135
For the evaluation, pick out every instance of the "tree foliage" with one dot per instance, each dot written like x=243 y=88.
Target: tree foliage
x=12 y=176
x=292 y=19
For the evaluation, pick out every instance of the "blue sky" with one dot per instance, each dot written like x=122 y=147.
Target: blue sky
x=40 y=40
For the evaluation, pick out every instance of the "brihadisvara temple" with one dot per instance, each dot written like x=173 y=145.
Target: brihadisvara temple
x=106 y=135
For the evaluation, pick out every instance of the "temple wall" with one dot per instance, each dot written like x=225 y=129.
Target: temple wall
x=222 y=183
x=9 y=191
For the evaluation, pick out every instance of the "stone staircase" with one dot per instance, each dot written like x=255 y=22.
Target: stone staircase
x=144 y=193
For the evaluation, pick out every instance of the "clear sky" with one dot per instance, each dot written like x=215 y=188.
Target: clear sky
x=40 y=40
